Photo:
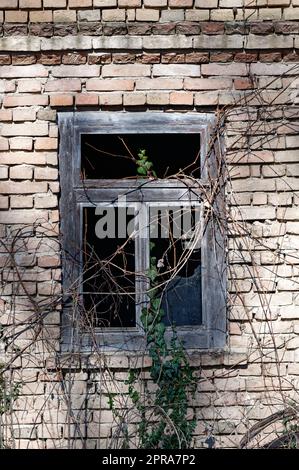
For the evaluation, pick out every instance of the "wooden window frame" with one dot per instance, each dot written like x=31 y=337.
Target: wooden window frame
x=76 y=194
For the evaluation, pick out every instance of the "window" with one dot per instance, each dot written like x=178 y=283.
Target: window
x=116 y=221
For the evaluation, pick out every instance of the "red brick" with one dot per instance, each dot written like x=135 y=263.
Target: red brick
x=46 y=143
x=61 y=100
x=66 y=84
x=221 y=57
x=181 y=98
x=270 y=56
x=5 y=59
x=243 y=83
x=23 y=59
x=50 y=59
x=87 y=99
x=74 y=58
x=48 y=261
x=212 y=28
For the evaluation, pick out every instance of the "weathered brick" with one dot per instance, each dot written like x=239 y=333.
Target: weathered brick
x=54 y=3
x=176 y=70
x=21 y=143
x=167 y=42
x=25 y=100
x=23 y=217
x=27 y=114
x=43 y=16
x=4 y=202
x=269 y=42
x=181 y=98
x=224 y=69
x=69 y=43
x=134 y=99
x=16 y=16
x=76 y=71
x=147 y=15
x=45 y=201
x=73 y=58
x=129 y=3
x=4 y=144
x=8 y=4
x=3 y=172
x=19 y=43
x=21 y=172
x=207 y=83
x=114 y=15
x=87 y=99
x=30 y=71
x=29 y=86
x=45 y=173
x=30 y=4
x=71 y=84
x=46 y=143
x=64 y=16
x=111 y=99
x=95 y=84
x=32 y=129
x=129 y=70
x=159 y=84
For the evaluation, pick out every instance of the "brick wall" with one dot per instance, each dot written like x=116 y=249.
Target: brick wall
x=236 y=58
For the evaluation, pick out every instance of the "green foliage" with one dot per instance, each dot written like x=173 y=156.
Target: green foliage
x=144 y=166
x=7 y=394
x=171 y=372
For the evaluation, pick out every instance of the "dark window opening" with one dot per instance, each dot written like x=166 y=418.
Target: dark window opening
x=179 y=279
x=108 y=274
x=112 y=156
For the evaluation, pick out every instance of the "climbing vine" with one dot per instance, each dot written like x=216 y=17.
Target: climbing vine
x=169 y=371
